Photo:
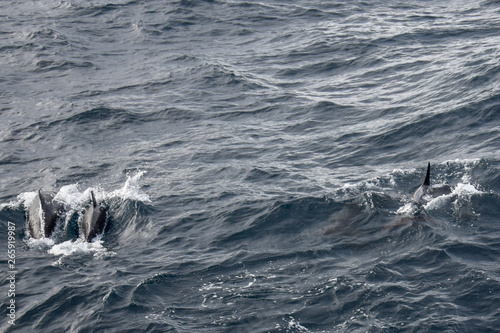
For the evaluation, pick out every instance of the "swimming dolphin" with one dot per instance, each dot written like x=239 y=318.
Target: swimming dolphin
x=43 y=214
x=424 y=188
x=93 y=220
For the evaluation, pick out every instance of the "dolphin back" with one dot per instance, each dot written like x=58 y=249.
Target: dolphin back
x=35 y=217
x=93 y=220
x=98 y=223
x=51 y=211
x=43 y=214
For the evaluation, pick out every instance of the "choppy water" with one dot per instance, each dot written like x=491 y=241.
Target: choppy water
x=257 y=160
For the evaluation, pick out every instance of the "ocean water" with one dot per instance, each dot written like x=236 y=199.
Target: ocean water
x=257 y=161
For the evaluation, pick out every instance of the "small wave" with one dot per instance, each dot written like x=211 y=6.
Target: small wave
x=61 y=65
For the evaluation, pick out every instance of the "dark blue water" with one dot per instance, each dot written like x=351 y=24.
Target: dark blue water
x=257 y=160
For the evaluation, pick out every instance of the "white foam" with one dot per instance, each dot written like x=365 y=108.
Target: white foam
x=71 y=196
x=460 y=191
x=69 y=248
x=22 y=199
x=295 y=325
x=26 y=198
x=40 y=244
x=131 y=189
x=465 y=190
x=436 y=202
x=464 y=162
x=408 y=209
x=74 y=198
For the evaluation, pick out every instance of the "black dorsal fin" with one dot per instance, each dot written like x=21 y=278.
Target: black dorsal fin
x=427 y=180
x=94 y=202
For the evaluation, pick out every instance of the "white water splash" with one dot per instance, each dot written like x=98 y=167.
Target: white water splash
x=295 y=325
x=69 y=248
x=437 y=202
x=72 y=196
x=26 y=198
x=40 y=244
x=460 y=192
x=465 y=190
x=131 y=189
x=410 y=208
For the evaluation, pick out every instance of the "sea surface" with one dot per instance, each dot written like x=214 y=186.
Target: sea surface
x=257 y=160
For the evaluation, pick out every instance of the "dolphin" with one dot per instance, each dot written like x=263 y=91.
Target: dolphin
x=93 y=220
x=43 y=214
x=425 y=187
x=343 y=220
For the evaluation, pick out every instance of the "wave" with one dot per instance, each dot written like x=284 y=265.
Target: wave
x=282 y=143
x=335 y=252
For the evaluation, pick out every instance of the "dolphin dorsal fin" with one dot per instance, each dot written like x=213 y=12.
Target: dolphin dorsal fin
x=427 y=180
x=42 y=199
x=94 y=202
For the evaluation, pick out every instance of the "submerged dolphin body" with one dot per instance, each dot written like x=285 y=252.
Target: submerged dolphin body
x=346 y=221
x=425 y=187
x=43 y=214
x=93 y=221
